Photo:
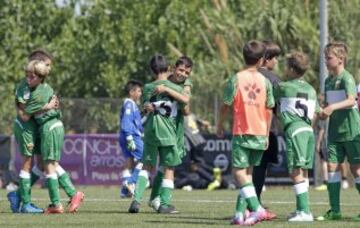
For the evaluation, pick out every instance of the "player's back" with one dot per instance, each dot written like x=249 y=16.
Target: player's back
x=298 y=102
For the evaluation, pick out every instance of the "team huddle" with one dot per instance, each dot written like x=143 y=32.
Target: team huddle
x=255 y=96
x=155 y=142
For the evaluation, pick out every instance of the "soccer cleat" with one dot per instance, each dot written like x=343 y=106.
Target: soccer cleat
x=357 y=218
x=14 y=200
x=131 y=189
x=269 y=215
x=255 y=217
x=54 y=209
x=330 y=215
x=167 y=209
x=155 y=203
x=322 y=187
x=31 y=208
x=292 y=214
x=344 y=184
x=238 y=219
x=75 y=202
x=134 y=207
x=301 y=216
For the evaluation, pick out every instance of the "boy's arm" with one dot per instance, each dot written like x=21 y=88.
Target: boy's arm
x=347 y=103
x=319 y=139
x=34 y=106
x=21 y=113
x=187 y=91
x=126 y=124
x=177 y=96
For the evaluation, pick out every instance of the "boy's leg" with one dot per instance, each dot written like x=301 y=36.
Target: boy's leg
x=52 y=184
x=139 y=190
x=155 y=190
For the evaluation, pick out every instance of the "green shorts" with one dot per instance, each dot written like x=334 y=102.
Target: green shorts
x=169 y=156
x=243 y=157
x=26 y=136
x=338 y=150
x=300 y=146
x=52 y=140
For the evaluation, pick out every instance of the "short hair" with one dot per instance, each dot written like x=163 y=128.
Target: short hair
x=339 y=49
x=271 y=50
x=159 y=64
x=38 y=67
x=184 y=60
x=298 y=61
x=132 y=84
x=40 y=54
x=253 y=51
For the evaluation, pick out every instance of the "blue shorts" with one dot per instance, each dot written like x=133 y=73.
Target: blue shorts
x=137 y=153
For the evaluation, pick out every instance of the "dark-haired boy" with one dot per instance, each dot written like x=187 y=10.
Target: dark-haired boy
x=131 y=131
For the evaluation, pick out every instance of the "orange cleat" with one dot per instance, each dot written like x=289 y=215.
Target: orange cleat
x=75 y=202
x=54 y=209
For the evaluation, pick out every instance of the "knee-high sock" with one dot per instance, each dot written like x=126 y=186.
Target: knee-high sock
x=155 y=191
x=141 y=185
x=53 y=188
x=24 y=187
x=334 y=186
x=248 y=193
x=302 y=197
x=65 y=181
x=167 y=187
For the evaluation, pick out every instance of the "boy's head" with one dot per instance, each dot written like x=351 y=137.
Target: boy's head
x=272 y=51
x=133 y=89
x=253 y=53
x=183 y=68
x=41 y=55
x=297 y=63
x=335 y=55
x=159 y=64
x=36 y=72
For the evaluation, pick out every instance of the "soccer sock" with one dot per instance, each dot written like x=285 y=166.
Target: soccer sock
x=334 y=185
x=36 y=174
x=241 y=205
x=302 y=197
x=126 y=175
x=259 y=173
x=249 y=194
x=53 y=188
x=141 y=185
x=357 y=183
x=24 y=187
x=135 y=173
x=65 y=181
x=167 y=187
x=155 y=191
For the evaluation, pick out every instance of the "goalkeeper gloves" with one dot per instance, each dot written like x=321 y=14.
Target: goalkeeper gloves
x=130 y=145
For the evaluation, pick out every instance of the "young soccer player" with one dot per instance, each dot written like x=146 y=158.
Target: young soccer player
x=298 y=105
x=131 y=131
x=183 y=68
x=344 y=122
x=250 y=95
x=270 y=155
x=160 y=135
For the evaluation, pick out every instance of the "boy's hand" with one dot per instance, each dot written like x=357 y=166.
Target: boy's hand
x=149 y=107
x=160 y=89
x=326 y=112
x=131 y=144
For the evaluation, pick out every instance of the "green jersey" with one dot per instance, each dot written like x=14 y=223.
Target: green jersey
x=38 y=98
x=22 y=96
x=343 y=124
x=160 y=127
x=298 y=102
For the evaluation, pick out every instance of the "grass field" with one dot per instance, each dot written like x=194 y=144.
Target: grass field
x=104 y=208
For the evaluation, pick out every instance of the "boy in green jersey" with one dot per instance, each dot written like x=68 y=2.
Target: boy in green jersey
x=298 y=105
x=344 y=122
x=182 y=71
x=160 y=134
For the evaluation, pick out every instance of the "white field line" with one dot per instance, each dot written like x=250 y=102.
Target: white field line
x=185 y=201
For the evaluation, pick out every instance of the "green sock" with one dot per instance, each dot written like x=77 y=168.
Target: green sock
x=241 y=204
x=167 y=187
x=141 y=185
x=248 y=191
x=66 y=184
x=155 y=191
x=302 y=197
x=53 y=188
x=24 y=187
x=334 y=196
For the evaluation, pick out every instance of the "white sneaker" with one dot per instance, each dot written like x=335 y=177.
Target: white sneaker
x=345 y=184
x=301 y=216
x=264 y=189
x=155 y=203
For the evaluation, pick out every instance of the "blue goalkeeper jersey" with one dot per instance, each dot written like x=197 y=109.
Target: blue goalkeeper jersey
x=130 y=120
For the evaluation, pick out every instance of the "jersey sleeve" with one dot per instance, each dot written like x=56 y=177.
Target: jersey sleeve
x=126 y=121
x=349 y=84
x=230 y=91
x=270 y=103
x=146 y=94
